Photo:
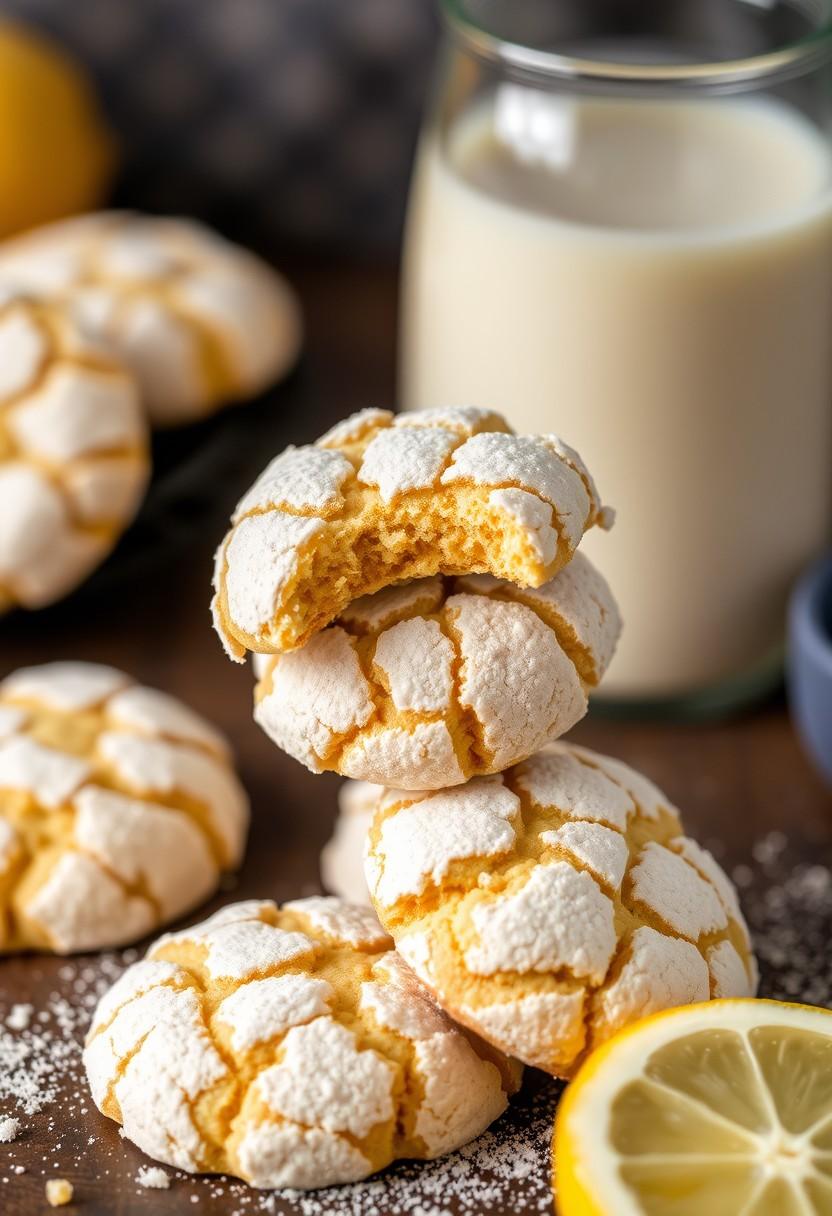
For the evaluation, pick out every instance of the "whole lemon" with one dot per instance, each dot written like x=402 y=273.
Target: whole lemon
x=56 y=153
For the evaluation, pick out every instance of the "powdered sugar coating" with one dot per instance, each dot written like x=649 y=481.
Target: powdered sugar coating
x=427 y=749
x=423 y=686
x=263 y=1009
x=200 y=321
x=299 y=479
x=396 y=461
x=287 y=1155
x=420 y=843
x=560 y=920
x=465 y=420
x=547 y=907
x=258 y=560
x=49 y=776
x=672 y=889
x=417 y=660
x=316 y=696
x=114 y=831
x=659 y=972
x=501 y=460
x=728 y=974
x=332 y=918
x=327 y=524
x=69 y=413
x=325 y=1079
x=548 y=1017
x=316 y=1103
x=578 y=604
x=64 y=686
x=603 y=851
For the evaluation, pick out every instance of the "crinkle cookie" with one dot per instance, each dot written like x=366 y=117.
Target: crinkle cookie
x=428 y=683
x=290 y=1047
x=548 y=907
x=119 y=808
x=380 y=499
x=74 y=458
x=342 y=857
x=200 y=321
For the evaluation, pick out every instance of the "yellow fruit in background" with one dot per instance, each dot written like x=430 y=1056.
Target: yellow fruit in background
x=56 y=154
x=718 y=1109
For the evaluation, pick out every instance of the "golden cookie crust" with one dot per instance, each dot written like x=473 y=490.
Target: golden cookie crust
x=119 y=809
x=429 y=683
x=294 y=1048
x=548 y=907
x=74 y=454
x=380 y=499
x=202 y=322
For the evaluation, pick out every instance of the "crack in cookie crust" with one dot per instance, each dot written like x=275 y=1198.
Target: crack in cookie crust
x=310 y=1056
x=119 y=809
x=431 y=682
x=74 y=458
x=548 y=906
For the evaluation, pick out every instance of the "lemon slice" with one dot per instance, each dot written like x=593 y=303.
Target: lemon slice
x=719 y=1109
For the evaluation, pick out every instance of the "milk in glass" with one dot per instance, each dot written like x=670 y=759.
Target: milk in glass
x=654 y=283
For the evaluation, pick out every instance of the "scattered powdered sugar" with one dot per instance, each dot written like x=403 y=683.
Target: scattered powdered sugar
x=789 y=909
x=507 y=1170
x=38 y=1049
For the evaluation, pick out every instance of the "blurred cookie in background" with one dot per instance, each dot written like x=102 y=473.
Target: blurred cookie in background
x=342 y=857
x=119 y=808
x=201 y=322
x=74 y=461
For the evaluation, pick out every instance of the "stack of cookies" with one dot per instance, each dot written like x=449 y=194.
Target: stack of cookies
x=424 y=623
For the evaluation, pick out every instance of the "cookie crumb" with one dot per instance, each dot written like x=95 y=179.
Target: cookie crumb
x=9 y=1129
x=59 y=1192
x=153 y=1178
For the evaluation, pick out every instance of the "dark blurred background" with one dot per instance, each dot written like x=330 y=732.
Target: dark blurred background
x=275 y=120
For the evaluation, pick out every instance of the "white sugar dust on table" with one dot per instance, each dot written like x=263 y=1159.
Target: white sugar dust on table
x=43 y=1093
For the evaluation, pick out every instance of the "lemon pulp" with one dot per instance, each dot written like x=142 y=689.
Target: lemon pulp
x=728 y=1122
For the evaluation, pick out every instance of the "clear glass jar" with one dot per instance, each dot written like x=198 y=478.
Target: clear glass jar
x=620 y=230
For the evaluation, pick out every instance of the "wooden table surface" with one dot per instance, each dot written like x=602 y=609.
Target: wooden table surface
x=736 y=782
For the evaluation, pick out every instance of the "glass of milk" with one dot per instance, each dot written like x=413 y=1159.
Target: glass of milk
x=620 y=230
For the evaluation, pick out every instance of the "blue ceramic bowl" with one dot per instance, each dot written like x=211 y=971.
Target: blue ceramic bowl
x=810 y=663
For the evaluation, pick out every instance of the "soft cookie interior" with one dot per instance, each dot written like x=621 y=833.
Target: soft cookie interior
x=382 y=499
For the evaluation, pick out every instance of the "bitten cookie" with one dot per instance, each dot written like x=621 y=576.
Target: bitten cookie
x=428 y=683
x=342 y=857
x=381 y=499
x=200 y=321
x=290 y=1047
x=74 y=458
x=548 y=907
x=119 y=807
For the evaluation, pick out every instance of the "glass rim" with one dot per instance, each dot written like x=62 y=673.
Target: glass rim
x=793 y=58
